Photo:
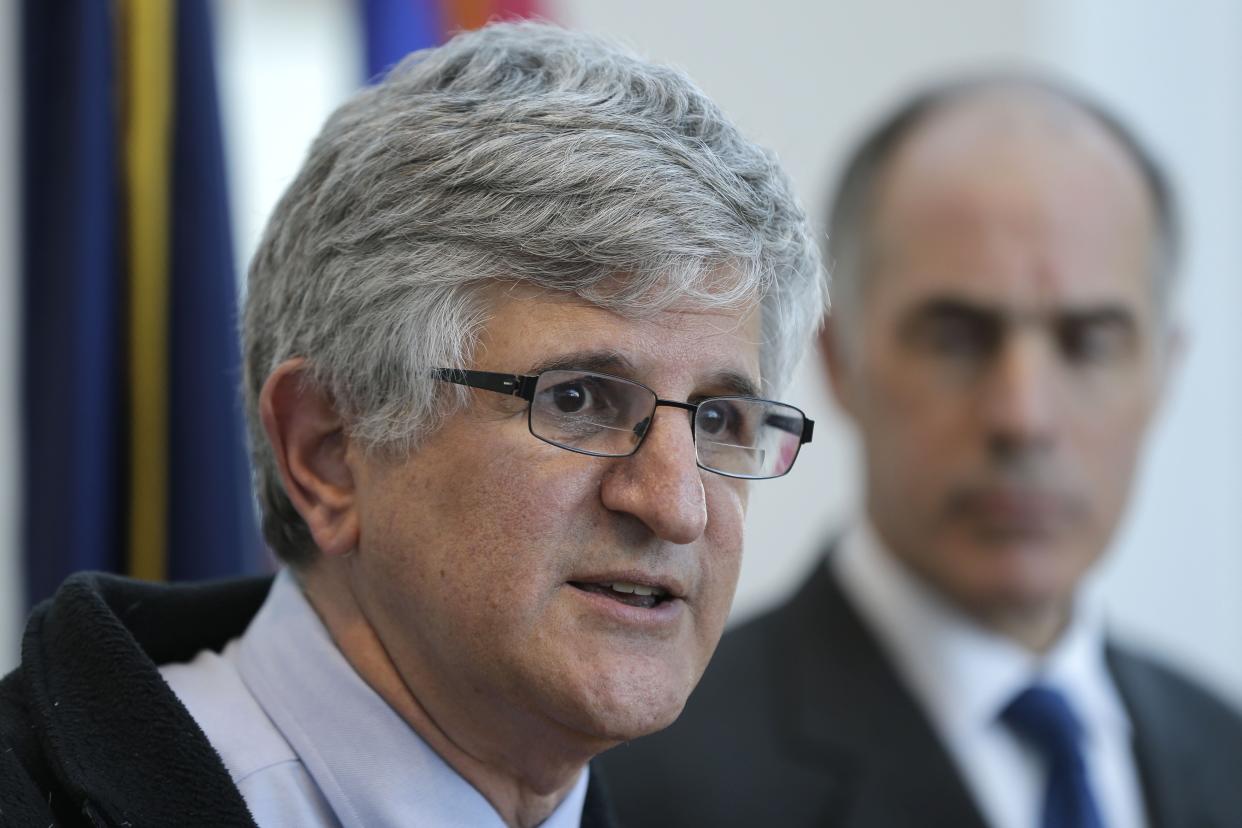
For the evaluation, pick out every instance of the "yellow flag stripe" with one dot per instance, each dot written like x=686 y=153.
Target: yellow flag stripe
x=147 y=38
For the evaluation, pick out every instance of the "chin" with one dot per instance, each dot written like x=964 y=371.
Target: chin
x=627 y=706
x=636 y=724
x=1024 y=593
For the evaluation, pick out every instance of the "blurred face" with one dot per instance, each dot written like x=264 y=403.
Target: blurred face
x=488 y=559
x=1009 y=357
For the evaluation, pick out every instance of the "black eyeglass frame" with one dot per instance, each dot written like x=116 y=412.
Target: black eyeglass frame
x=523 y=386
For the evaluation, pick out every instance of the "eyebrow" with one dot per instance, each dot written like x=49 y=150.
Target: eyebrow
x=953 y=307
x=913 y=323
x=734 y=383
x=1106 y=313
x=604 y=362
x=729 y=382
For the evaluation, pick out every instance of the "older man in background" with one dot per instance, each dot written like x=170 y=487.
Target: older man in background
x=1002 y=335
x=508 y=340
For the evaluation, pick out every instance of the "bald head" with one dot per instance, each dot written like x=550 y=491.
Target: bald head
x=1042 y=152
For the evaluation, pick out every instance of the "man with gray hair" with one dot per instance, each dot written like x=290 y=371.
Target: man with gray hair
x=510 y=338
x=1002 y=331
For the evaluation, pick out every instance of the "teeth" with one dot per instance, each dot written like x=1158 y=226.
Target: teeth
x=635 y=589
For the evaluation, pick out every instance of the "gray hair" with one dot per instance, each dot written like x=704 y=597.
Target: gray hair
x=516 y=153
x=852 y=203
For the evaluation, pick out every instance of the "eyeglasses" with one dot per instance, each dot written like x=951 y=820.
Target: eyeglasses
x=606 y=416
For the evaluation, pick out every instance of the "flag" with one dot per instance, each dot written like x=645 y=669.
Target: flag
x=134 y=456
x=394 y=28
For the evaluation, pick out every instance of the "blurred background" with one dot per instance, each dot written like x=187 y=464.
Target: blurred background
x=804 y=78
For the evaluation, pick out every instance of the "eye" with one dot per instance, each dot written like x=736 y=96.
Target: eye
x=1093 y=341
x=570 y=397
x=953 y=332
x=716 y=417
x=960 y=336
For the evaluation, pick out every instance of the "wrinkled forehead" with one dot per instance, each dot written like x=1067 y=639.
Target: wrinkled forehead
x=530 y=329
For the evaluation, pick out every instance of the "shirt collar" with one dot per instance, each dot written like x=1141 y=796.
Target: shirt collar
x=963 y=673
x=372 y=767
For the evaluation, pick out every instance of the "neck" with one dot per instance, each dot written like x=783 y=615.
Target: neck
x=523 y=768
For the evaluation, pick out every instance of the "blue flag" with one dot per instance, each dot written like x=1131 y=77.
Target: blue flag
x=76 y=283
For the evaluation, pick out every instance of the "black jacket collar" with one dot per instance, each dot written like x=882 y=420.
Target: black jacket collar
x=895 y=768
x=116 y=739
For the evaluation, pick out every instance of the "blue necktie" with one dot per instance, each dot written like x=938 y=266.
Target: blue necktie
x=1042 y=717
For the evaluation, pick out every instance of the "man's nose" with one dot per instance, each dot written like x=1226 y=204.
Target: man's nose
x=661 y=483
x=1020 y=395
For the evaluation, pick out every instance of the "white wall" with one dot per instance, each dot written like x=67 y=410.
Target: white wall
x=10 y=333
x=1174 y=69
x=282 y=67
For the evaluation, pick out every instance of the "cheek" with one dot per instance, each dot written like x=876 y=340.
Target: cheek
x=727 y=499
x=722 y=555
x=526 y=522
x=916 y=435
x=1108 y=450
x=442 y=529
x=555 y=495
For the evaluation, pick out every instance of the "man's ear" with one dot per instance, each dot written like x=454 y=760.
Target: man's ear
x=309 y=441
x=837 y=363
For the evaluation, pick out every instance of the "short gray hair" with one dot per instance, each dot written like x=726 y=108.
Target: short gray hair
x=516 y=153
x=852 y=202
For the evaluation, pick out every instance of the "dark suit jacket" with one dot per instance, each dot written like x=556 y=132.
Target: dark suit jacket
x=801 y=721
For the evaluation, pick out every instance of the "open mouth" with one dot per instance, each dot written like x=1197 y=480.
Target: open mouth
x=634 y=595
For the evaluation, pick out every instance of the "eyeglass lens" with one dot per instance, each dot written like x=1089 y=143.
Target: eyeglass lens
x=608 y=416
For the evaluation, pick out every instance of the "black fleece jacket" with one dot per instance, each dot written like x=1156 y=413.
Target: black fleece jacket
x=89 y=732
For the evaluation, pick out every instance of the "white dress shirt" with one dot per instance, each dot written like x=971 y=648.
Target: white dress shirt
x=309 y=743
x=964 y=675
